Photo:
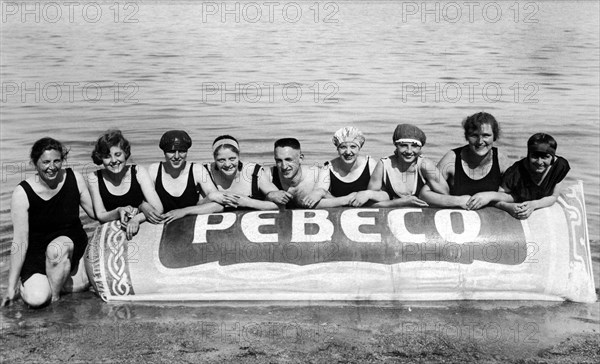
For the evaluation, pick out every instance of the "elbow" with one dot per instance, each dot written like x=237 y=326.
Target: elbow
x=103 y=218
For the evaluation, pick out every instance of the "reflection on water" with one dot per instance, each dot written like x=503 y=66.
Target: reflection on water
x=373 y=68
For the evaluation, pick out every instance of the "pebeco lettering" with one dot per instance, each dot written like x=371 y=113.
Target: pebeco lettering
x=351 y=223
x=202 y=226
x=471 y=226
x=397 y=226
x=252 y=221
x=376 y=235
x=319 y=218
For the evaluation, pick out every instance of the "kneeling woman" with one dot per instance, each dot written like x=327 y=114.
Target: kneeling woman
x=179 y=184
x=239 y=185
x=48 y=234
x=119 y=189
x=398 y=179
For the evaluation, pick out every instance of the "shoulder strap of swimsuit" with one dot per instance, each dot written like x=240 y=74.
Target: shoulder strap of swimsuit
x=158 y=182
x=71 y=181
x=275 y=177
x=495 y=161
x=386 y=183
x=255 y=189
x=28 y=190
x=207 y=167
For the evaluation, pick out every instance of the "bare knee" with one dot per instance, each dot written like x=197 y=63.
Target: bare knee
x=59 y=251
x=36 y=291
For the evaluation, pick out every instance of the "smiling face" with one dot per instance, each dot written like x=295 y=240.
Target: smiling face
x=288 y=161
x=408 y=152
x=49 y=164
x=481 y=140
x=114 y=162
x=227 y=161
x=348 y=152
x=539 y=162
x=176 y=158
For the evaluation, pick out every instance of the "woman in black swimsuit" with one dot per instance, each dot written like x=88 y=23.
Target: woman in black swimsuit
x=119 y=189
x=342 y=177
x=179 y=185
x=474 y=171
x=48 y=237
x=239 y=184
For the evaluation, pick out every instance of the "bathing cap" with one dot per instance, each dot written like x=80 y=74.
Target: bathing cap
x=175 y=140
x=408 y=133
x=348 y=134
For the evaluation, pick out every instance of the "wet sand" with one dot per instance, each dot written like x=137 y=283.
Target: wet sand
x=82 y=328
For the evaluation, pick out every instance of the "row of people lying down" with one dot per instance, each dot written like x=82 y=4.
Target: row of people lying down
x=50 y=237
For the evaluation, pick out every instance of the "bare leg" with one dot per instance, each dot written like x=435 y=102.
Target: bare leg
x=58 y=264
x=77 y=280
x=36 y=291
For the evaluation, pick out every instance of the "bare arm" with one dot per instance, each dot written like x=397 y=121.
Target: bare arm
x=525 y=209
x=433 y=177
x=446 y=170
x=152 y=215
x=205 y=208
x=336 y=201
x=99 y=210
x=85 y=200
x=20 y=219
x=202 y=178
x=266 y=186
x=148 y=190
x=375 y=190
x=321 y=187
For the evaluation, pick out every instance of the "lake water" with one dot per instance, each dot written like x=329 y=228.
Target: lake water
x=303 y=69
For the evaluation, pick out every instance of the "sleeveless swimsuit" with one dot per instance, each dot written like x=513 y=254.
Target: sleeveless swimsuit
x=464 y=185
x=58 y=216
x=189 y=197
x=339 y=188
x=134 y=197
x=393 y=177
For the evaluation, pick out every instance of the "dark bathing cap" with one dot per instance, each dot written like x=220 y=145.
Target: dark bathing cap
x=541 y=148
x=175 y=140
x=408 y=133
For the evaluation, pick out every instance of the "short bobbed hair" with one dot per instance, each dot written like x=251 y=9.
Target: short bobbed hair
x=111 y=138
x=473 y=123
